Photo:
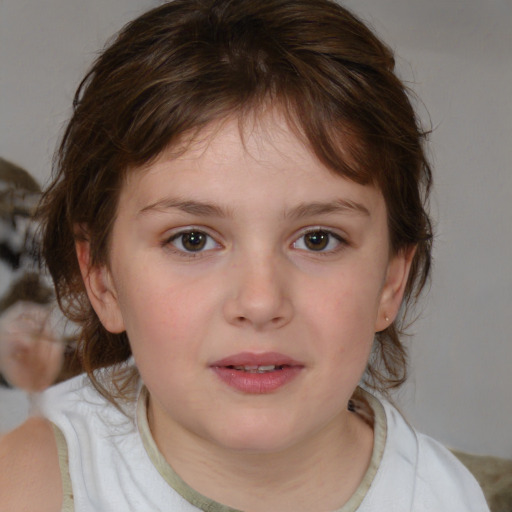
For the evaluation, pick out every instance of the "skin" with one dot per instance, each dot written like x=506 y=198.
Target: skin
x=30 y=358
x=29 y=469
x=255 y=287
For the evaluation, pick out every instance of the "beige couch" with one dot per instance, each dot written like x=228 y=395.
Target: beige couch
x=495 y=477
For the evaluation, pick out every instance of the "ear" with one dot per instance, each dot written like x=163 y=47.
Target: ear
x=100 y=289
x=394 y=286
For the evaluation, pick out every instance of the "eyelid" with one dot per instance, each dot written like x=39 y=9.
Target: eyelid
x=176 y=233
x=180 y=230
x=341 y=238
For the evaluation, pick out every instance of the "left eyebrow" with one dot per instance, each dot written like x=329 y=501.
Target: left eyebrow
x=337 y=206
x=192 y=207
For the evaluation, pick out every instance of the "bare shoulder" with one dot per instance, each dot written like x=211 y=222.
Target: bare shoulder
x=29 y=468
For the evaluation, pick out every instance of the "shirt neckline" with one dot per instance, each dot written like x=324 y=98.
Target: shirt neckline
x=208 y=505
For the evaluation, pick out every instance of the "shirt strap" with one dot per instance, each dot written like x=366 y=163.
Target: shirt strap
x=62 y=450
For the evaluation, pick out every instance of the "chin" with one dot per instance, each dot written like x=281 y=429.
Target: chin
x=258 y=436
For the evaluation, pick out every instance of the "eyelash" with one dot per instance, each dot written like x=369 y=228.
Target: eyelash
x=179 y=238
x=331 y=236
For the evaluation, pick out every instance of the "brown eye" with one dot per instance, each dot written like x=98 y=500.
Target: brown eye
x=317 y=240
x=193 y=241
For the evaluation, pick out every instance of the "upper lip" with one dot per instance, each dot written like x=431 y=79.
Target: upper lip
x=255 y=359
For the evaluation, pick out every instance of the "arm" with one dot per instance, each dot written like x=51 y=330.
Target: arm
x=29 y=469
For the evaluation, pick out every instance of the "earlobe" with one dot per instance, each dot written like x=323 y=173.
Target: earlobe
x=397 y=276
x=100 y=289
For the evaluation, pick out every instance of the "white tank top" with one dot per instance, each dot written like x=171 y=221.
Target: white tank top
x=115 y=465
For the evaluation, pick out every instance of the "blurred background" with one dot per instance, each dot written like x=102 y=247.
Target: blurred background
x=457 y=56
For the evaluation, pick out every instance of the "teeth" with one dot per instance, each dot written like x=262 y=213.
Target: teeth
x=257 y=368
x=268 y=368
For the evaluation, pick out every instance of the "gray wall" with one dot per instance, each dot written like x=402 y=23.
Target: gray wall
x=457 y=56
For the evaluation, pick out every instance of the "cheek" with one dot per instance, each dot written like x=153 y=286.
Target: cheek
x=341 y=319
x=166 y=317
x=347 y=302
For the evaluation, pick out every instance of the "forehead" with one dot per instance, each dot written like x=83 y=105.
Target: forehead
x=235 y=159
x=252 y=133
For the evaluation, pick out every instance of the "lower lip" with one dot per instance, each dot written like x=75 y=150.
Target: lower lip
x=257 y=383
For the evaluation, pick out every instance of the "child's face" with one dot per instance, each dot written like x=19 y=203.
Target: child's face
x=239 y=255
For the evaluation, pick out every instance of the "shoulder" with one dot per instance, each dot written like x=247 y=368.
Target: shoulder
x=442 y=478
x=29 y=468
x=437 y=479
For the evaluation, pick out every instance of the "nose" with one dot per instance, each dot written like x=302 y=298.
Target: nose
x=259 y=295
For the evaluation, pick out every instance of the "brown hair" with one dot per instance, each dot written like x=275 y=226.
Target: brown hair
x=187 y=63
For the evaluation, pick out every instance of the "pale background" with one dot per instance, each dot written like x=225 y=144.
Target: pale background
x=457 y=55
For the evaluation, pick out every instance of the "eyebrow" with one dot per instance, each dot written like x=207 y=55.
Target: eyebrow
x=192 y=207
x=320 y=208
x=303 y=210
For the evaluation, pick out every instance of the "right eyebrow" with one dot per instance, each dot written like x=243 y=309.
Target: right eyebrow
x=336 y=206
x=192 y=207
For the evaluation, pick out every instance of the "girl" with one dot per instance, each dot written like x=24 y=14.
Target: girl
x=238 y=223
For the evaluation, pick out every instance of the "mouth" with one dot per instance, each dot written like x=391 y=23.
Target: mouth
x=257 y=373
x=258 y=368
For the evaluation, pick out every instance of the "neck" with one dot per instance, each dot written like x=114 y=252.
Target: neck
x=321 y=473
